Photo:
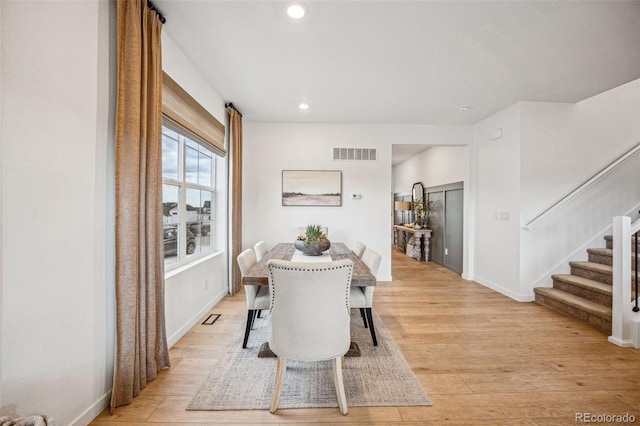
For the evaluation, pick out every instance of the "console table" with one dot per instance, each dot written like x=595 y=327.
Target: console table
x=413 y=242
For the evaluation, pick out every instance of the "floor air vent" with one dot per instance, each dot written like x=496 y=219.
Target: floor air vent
x=355 y=154
x=211 y=319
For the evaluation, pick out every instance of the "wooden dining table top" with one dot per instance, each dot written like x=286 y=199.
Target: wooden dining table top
x=258 y=274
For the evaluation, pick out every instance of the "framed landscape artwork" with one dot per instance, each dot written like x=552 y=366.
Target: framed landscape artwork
x=311 y=188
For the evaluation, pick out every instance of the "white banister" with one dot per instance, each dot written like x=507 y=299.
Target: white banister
x=573 y=194
x=624 y=322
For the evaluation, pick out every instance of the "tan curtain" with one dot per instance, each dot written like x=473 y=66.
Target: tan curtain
x=235 y=120
x=141 y=344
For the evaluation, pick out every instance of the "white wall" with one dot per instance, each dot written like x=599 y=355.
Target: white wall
x=438 y=165
x=545 y=151
x=58 y=102
x=270 y=148
x=495 y=194
x=57 y=258
x=563 y=146
x=191 y=292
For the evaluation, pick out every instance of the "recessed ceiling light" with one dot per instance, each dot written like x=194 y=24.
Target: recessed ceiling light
x=296 y=11
x=303 y=106
x=464 y=108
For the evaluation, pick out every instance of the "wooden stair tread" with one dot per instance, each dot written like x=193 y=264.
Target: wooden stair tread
x=593 y=285
x=604 y=251
x=601 y=251
x=575 y=301
x=586 y=292
x=610 y=238
x=592 y=266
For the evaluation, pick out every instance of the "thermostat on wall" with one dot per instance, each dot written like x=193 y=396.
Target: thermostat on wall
x=356 y=196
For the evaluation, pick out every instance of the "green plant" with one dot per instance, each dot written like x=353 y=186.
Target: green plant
x=313 y=233
x=421 y=209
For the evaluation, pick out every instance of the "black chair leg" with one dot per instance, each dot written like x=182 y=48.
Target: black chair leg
x=364 y=318
x=371 y=327
x=247 y=330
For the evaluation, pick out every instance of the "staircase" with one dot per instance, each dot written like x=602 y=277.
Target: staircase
x=584 y=294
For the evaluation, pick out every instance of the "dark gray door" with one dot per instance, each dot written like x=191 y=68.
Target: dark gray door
x=453 y=230
x=435 y=222
x=445 y=222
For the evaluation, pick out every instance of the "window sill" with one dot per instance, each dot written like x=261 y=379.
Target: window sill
x=178 y=270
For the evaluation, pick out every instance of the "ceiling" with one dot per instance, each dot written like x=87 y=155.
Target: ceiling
x=405 y=62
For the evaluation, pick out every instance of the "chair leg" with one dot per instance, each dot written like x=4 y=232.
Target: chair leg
x=364 y=318
x=337 y=377
x=281 y=368
x=253 y=318
x=247 y=330
x=371 y=327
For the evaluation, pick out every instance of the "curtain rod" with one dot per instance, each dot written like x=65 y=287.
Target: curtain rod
x=232 y=106
x=160 y=16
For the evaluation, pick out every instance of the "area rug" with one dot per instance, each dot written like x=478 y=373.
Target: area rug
x=379 y=377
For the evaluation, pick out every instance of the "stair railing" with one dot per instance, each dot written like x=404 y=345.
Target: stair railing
x=625 y=315
x=573 y=194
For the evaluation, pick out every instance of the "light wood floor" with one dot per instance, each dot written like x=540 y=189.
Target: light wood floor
x=482 y=358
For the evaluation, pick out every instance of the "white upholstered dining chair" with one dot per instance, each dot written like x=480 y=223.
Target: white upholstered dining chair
x=301 y=294
x=358 y=248
x=261 y=249
x=362 y=297
x=257 y=295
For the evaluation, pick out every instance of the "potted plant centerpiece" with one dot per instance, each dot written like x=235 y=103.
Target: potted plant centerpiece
x=421 y=209
x=313 y=242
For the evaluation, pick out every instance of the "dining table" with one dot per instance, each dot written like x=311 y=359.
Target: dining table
x=258 y=275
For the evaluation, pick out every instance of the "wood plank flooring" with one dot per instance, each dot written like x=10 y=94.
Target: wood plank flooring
x=483 y=359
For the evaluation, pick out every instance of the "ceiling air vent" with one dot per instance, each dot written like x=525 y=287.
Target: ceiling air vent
x=355 y=154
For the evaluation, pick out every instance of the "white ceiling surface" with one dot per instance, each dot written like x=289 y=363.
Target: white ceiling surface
x=405 y=62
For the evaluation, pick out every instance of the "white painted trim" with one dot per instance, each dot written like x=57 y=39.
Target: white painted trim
x=93 y=411
x=172 y=340
x=515 y=296
x=562 y=267
x=620 y=312
x=580 y=253
x=623 y=343
x=179 y=269
x=635 y=330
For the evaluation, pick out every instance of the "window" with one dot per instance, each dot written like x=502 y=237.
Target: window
x=187 y=197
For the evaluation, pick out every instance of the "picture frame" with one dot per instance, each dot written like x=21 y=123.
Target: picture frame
x=312 y=188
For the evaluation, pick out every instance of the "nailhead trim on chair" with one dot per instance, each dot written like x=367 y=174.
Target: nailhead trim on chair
x=347 y=296
x=273 y=293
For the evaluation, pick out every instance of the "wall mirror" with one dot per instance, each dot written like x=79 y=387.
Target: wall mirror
x=417 y=196
x=418 y=192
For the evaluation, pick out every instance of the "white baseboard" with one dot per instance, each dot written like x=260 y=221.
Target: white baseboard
x=515 y=296
x=93 y=411
x=623 y=343
x=101 y=404
x=173 y=339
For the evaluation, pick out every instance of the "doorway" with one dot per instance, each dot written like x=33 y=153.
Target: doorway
x=445 y=219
